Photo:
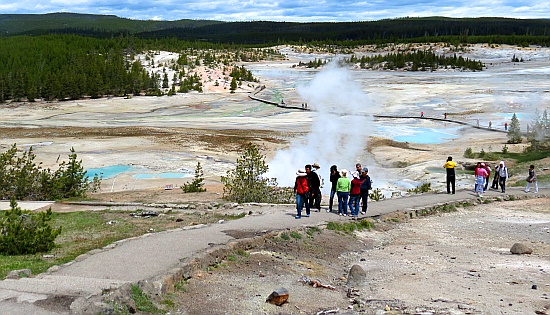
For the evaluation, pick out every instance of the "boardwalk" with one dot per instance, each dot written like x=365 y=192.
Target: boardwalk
x=460 y=122
x=254 y=96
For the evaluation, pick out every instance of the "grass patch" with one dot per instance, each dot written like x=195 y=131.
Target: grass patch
x=143 y=302
x=312 y=230
x=285 y=236
x=87 y=230
x=349 y=227
x=295 y=235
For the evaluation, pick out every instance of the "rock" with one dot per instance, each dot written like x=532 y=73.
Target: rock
x=17 y=274
x=278 y=297
x=356 y=276
x=520 y=249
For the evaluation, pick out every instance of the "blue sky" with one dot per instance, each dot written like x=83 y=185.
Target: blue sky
x=283 y=10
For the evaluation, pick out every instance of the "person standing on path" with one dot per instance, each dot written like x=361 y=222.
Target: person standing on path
x=502 y=176
x=532 y=179
x=451 y=178
x=314 y=184
x=343 y=186
x=494 y=184
x=421 y=114
x=488 y=169
x=354 y=195
x=505 y=126
x=318 y=194
x=334 y=175
x=481 y=176
x=301 y=189
x=366 y=185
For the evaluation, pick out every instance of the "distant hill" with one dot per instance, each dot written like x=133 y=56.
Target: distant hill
x=75 y=23
x=259 y=32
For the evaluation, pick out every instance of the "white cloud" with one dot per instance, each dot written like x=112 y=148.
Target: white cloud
x=283 y=10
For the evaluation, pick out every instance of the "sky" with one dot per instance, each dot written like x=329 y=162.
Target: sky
x=283 y=10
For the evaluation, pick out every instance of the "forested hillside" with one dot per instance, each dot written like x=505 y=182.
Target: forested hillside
x=70 y=56
x=265 y=32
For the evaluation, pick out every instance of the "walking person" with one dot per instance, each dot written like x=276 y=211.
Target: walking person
x=481 y=175
x=343 y=187
x=366 y=185
x=354 y=195
x=301 y=189
x=532 y=179
x=502 y=175
x=314 y=188
x=318 y=194
x=450 y=167
x=334 y=175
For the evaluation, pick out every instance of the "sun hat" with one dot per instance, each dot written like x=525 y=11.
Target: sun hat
x=483 y=164
x=344 y=171
x=316 y=165
x=301 y=172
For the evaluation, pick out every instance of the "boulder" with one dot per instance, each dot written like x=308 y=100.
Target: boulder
x=278 y=297
x=520 y=249
x=356 y=276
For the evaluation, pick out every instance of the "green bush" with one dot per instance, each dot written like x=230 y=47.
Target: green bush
x=198 y=182
x=246 y=183
x=25 y=232
x=23 y=179
x=469 y=153
x=425 y=187
x=376 y=195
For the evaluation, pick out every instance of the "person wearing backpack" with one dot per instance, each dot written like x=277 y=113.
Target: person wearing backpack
x=301 y=189
x=366 y=185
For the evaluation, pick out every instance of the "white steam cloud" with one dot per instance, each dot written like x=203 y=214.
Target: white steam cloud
x=339 y=131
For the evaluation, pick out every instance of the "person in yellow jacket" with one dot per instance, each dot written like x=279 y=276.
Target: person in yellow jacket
x=450 y=167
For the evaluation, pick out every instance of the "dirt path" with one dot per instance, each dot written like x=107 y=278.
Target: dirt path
x=454 y=263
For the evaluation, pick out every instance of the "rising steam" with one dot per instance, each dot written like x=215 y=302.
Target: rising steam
x=340 y=126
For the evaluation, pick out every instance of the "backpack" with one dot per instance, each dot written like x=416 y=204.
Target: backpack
x=366 y=185
x=302 y=185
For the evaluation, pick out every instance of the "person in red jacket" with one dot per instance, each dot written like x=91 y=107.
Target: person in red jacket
x=354 y=194
x=301 y=189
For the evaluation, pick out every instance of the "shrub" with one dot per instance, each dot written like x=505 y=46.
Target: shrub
x=376 y=195
x=21 y=178
x=198 y=182
x=468 y=153
x=246 y=183
x=26 y=232
x=425 y=187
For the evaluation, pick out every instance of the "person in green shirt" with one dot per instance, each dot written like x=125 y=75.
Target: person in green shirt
x=343 y=187
x=450 y=167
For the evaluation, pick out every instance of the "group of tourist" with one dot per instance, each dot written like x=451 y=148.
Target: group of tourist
x=349 y=192
x=482 y=173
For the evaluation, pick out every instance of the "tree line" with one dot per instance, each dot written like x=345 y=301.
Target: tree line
x=419 y=60
x=68 y=67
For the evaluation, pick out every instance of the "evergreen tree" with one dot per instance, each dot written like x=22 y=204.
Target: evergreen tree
x=233 y=85
x=514 y=132
x=198 y=182
x=246 y=183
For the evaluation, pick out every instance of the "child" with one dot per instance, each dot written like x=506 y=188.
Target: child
x=532 y=178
